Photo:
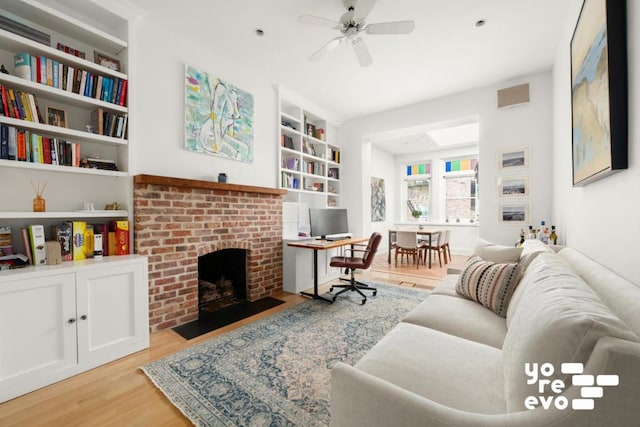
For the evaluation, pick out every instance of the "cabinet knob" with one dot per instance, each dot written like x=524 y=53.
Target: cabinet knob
x=83 y=317
x=72 y=320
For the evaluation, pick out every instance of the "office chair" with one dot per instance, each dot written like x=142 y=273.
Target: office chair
x=355 y=262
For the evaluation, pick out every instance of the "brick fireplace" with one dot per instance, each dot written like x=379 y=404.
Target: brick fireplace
x=178 y=220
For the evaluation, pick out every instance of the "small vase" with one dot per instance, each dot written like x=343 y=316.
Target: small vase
x=38 y=204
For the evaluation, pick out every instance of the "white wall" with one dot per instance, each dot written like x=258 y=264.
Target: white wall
x=383 y=166
x=600 y=219
x=158 y=103
x=525 y=125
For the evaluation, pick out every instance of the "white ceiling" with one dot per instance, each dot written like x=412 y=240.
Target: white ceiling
x=445 y=54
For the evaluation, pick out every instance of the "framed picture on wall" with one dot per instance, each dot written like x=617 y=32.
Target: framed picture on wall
x=514 y=186
x=513 y=158
x=514 y=213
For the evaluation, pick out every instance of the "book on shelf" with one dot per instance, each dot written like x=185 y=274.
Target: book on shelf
x=4 y=142
x=13 y=143
x=63 y=234
x=27 y=244
x=78 y=240
x=88 y=241
x=121 y=236
x=22 y=65
x=103 y=231
x=37 y=240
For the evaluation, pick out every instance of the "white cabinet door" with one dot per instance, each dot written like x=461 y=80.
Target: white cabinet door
x=112 y=313
x=37 y=332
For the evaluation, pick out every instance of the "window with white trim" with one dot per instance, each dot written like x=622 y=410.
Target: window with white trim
x=460 y=190
x=418 y=192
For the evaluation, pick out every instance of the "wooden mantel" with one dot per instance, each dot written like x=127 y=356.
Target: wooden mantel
x=194 y=183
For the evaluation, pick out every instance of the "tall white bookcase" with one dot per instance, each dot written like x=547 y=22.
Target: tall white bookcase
x=89 y=28
x=309 y=156
x=60 y=320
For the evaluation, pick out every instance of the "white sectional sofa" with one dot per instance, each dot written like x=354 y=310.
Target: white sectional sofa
x=454 y=362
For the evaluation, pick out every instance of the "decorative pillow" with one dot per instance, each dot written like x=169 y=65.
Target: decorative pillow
x=489 y=283
x=497 y=253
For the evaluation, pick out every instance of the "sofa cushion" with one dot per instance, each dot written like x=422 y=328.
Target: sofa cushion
x=460 y=317
x=496 y=253
x=440 y=367
x=558 y=319
x=488 y=283
x=448 y=287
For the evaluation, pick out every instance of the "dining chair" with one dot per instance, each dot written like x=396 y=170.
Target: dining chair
x=437 y=246
x=407 y=245
x=446 y=246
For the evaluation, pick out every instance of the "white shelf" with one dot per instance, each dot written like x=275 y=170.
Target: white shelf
x=63 y=95
x=16 y=43
x=48 y=17
x=64 y=133
x=57 y=168
x=63 y=214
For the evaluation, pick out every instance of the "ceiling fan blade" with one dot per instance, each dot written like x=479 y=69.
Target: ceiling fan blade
x=400 y=27
x=318 y=21
x=326 y=48
x=364 y=58
x=363 y=7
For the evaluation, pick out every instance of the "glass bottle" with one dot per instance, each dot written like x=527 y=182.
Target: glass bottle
x=38 y=204
x=553 y=237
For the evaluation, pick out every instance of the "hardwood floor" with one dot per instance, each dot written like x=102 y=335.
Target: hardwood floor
x=119 y=394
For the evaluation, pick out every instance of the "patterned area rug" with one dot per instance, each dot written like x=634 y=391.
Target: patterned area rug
x=276 y=371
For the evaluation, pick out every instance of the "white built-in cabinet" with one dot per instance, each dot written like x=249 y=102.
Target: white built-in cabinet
x=58 y=321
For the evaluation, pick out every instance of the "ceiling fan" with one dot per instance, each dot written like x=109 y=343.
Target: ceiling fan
x=351 y=25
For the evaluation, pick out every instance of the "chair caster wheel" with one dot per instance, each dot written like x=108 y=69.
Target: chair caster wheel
x=334 y=298
x=363 y=301
x=331 y=290
x=374 y=293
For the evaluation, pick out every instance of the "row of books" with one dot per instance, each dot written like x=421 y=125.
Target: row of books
x=289 y=181
x=78 y=240
x=50 y=72
x=108 y=123
x=19 y=105
x=314 y=168
x=25 y=146
x=334 y=155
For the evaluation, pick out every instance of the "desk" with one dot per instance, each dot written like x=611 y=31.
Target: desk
x=323 y=245
x=424 y=232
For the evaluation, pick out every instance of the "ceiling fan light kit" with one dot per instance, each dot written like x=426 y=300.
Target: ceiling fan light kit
x=352 y=24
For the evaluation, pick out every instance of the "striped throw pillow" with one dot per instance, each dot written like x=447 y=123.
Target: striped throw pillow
x=489 y=283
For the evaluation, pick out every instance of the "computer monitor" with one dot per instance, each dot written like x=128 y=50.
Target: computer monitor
x=326 y=223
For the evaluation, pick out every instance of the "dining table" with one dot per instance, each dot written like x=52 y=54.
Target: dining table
x=428 y=232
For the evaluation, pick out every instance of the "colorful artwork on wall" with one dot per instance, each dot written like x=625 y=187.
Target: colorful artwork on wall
x=599 y=91
x=218 y=117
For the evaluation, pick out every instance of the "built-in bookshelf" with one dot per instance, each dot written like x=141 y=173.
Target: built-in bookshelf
x=309 y=160
x=73 y=70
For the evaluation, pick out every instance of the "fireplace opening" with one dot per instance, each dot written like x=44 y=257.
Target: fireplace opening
x=222 y=279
